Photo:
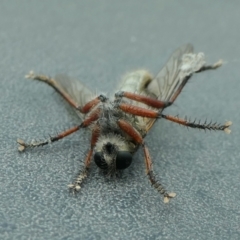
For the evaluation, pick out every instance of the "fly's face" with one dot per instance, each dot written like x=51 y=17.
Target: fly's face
x=113 y=153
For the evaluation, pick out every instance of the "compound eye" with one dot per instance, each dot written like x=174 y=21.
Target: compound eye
x=100 y=161
x=123 y=160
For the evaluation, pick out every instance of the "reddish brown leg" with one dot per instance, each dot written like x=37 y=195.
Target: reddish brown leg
x=76 y=186
x=136 y=136
x=211 y=67
x=85 y=109
x=138 y=111
x=24 y=145
x=92 y=117
x=152 y=102
x=51 y=82
x=155 y=102
x=205 y=126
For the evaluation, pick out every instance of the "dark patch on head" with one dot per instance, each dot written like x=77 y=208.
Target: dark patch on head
x=109 y=147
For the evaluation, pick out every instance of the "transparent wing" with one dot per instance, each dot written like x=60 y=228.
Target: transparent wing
x=75 y=89
x=181 y=65
x=166 y=83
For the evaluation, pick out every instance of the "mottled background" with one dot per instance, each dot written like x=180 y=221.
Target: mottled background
x=97 y=42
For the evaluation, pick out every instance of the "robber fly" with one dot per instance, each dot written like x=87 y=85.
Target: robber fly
x=119 y=125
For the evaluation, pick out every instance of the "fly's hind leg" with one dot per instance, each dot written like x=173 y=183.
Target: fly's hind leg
x=89 y=120
x=55 y=85
x=187 y=78
x=211 y=67
x=23 y=145
x=51 y=82
x=155 y=103
x=152 y=102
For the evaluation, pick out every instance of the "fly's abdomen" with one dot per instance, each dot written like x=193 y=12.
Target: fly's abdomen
x=136 y=82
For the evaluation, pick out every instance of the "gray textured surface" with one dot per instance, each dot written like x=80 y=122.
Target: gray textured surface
x=97 y=42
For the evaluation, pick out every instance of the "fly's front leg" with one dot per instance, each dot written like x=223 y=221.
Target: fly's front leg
x=89 y=120
x=136 y=136
x=76 y=186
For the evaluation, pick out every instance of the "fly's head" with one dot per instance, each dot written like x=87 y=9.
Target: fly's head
x=113 y=153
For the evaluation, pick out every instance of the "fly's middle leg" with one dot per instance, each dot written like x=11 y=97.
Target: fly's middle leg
x=89 y=120
x=24 y=145
x=51 y=82
x=194 y=124
x=138 y=111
